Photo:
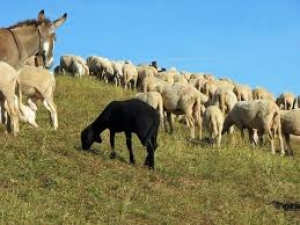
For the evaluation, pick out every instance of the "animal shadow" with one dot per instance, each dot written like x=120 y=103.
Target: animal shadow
x=91 y=150
x=288 y=206
x=101 y=153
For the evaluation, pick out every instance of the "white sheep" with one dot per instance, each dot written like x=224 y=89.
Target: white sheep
x=154 y=99
x=38 y=83
x=130 y=74
x=180 y=99
x=153 y=84
x=261 y=93
x=212 y=85
x=28 y=111
x=67 y=62
x=242 y=92
x=145 y=71
x=290 y=125
x=225 y=98
x=262 y=115
x=213 y=120
x=296 y=102
x=285 y=100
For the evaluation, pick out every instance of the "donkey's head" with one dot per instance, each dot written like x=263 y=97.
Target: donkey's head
x=46 y=30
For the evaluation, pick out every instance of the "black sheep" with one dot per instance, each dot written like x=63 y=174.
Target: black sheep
x=130 y=116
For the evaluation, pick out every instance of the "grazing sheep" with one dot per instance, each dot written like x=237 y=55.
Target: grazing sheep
x=285 y=100
x=180 y=78
x=213 y=120
x=225 y=98
x=130 y=73
x=262 y=115
x=153 y=84
x=67 y=63
x=261 y=93
x=145 y=71
x=118 y=72
x=290 y=124
x=186 y=75
x=38 y=83
x=78 y=69
x=131 y=116
x=296 y=102
x=59 y=70
x=168 y=76
x=154 y=99
x=180 y=99
x=212 y=85
x=242 y=92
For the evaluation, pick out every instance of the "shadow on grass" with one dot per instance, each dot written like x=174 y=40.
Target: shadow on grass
x=101 y=153
x=288 y=206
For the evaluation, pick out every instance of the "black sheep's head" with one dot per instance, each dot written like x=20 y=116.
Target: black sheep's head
x=88 y=137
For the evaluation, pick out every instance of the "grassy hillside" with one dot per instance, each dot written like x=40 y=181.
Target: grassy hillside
x=46 y=178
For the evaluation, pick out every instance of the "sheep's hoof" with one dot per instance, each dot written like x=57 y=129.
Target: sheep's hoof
x=113 y=155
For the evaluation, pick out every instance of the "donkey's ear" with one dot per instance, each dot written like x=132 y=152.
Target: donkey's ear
x=41 y=16
x=59 y=21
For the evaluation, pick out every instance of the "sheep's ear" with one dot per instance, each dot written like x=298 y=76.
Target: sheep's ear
x=98 y=139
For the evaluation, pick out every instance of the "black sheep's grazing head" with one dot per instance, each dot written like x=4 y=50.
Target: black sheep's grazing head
x=88 y=137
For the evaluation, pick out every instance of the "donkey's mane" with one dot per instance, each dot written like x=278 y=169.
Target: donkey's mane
x=32 y=22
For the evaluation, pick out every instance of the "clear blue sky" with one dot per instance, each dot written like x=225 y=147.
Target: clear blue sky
x=252 y=42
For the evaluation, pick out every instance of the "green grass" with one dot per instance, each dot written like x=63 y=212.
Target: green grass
x=46 y=178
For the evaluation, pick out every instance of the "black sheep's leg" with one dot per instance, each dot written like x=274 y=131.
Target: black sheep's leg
x=150 y=157
x=113 y=153
x=129 y=146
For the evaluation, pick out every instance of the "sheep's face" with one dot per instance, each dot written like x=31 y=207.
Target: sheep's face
x=88 y=137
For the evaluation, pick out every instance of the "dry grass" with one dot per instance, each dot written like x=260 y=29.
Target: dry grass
x=47 y=179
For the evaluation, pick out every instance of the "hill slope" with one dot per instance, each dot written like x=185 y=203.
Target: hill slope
x=47 y=179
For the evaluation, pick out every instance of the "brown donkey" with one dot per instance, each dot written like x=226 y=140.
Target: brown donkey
x=28 y=38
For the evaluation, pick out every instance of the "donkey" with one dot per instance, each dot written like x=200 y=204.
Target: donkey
x=25 y=39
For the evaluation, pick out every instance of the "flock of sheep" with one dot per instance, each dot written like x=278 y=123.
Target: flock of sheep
x=202 y=100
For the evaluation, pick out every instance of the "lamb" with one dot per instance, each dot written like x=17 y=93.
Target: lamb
x=130 y=116
x=155 y=100
x=290 y=124
x=180 y=99
x=262 y=115
x=213 y=120
x=285 y=100
x=28 y=111
x=38 y=83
